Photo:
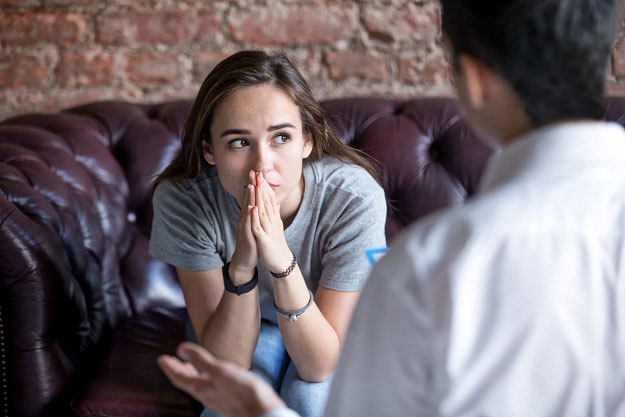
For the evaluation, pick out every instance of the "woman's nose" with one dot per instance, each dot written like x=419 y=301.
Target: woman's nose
x=262 y=160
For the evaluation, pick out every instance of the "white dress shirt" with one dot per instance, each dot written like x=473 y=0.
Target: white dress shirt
x=511 y=305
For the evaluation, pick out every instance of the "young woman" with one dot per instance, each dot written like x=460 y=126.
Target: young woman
x=267 y=216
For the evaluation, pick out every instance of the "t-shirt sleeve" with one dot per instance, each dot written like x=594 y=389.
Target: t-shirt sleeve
x=183 y=231
x=359 y=227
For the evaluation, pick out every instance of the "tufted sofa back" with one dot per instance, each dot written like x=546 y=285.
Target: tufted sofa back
x=74 y=225
x=427 y=155
x=75 y=216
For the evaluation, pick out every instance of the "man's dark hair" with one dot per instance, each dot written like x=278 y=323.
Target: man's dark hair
x=554 y=53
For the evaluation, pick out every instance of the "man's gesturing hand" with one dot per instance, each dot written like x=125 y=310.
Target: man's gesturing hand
x=219 y=385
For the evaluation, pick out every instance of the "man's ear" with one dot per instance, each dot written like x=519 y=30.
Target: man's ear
x=308 y=145
x=477 y=80
x=207 y=151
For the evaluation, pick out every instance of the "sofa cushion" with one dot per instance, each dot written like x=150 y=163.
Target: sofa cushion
x=125 y=381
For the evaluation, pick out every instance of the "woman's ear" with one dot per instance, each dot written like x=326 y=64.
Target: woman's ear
x=308 y=145
x=474 y=78
x=207 y=151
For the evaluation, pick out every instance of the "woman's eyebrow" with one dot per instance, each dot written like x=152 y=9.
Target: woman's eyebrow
x=247 y=132
x=280 y=126
x=235 y=132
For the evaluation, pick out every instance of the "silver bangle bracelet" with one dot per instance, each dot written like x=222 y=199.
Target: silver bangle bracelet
x=293 y=315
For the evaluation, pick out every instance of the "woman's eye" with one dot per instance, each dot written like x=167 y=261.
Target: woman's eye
x=282 y=138
x=237 y=143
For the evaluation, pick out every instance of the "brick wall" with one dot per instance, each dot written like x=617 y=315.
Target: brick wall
x=59 y=53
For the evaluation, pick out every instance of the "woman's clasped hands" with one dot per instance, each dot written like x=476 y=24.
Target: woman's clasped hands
x=260 y=231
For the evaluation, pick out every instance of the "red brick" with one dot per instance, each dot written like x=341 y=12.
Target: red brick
x=23 y=70
x=6 y=110
x=346 y=65
x=622 y=28
x=618 y=60
x=418 y=23
x=616 y=89
x=184 y=94
x=20 y=3
x=307 y=63
x=65 y=3
x=168 y=27
x=292 y=25
x=48 y=102
x=36 y=28
x=426 y=68
x=204 y=62
x=152 y=69
x=134 y=3
x=89 y=69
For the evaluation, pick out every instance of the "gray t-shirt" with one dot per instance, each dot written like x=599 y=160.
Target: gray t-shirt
x=342 y=215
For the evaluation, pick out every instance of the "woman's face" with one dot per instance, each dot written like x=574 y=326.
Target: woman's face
x=259 y=128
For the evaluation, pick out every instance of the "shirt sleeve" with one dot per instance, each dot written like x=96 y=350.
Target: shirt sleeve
x=359 y=227
x=387 y=364
x=183 y=233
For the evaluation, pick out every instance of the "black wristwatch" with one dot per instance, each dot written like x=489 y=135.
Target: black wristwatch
x=238 y=289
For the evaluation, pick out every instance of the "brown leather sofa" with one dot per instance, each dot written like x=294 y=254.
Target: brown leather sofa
x=84 y=310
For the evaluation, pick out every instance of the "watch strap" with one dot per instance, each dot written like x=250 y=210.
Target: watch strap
x=238 y=289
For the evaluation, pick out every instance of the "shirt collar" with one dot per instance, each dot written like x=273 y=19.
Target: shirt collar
x=554 y=148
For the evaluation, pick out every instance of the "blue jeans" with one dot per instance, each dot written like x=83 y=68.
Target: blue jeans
x=272 y=363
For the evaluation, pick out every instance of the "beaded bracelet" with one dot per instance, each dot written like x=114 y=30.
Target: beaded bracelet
x=293 y=315
x=287 y=272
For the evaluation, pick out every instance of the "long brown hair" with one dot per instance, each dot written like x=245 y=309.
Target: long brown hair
x=247 y=69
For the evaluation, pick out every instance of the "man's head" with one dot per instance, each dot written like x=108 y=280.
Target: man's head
x=552 y=53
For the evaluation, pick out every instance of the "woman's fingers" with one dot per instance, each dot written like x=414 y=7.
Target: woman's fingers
x=246 y=252
x=251 y=195
x=244 y=203
x=244 y=216
x=251 y=192
x=266 y=193
x=267 y=220
x=267 y=208
x=260 y=200
x=270 y=199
